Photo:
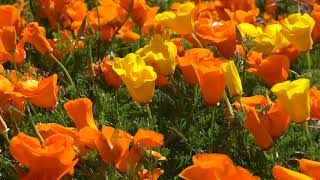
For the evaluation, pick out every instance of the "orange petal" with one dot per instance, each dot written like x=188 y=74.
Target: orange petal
x=281 y=173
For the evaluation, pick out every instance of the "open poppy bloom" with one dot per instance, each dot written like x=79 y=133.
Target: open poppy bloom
x=315 y=103
x=193 y=56
x=110 y=76
x=80 y=111
x=316 y=16
x=294 y=98
x=36 y=36
x=146 y=175
x=10 y=16
x=222 y=34
x=273 y=69
x=51 y=160
x=211 y=80
x=137 y=76
x=43 y=93
x=181 y=21
x=297 y=28
x=214 y=166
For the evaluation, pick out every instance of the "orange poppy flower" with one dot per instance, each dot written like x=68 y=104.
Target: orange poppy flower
x=36 y=36
x=10 y=15
x=242 y=16
x=315 y=103
x=146 y=175
x=276 y=121
x=141 y=12
x=8 y=38
x=113 y=144
x=43 y=93
x=84 y=139
x=1 y=68
x=245 y=5
x=273 y=69
x=281 y=173
x=214 y=166
x=211 y=81
x=111 y=78
x=310 y=168
x=316 y=16
x=143 y=141
x=222 y=34
x=192 y=56
x=255 y=127
x=291 y=52
x=126 y=33
x=80 y=111
x=51 y=160
x=252 y=101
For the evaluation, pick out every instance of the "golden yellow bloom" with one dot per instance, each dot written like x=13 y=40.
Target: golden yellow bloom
x=137 y=76
x=181 y=21
x=267 y=41
x=297 y=28
x=160 y=54
x=294 y=98
x=232 y=79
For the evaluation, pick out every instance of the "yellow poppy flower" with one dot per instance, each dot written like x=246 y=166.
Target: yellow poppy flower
x=160 y=54
x=181 y=21
x=294 y=98
x=137 y=76
x=298 y=29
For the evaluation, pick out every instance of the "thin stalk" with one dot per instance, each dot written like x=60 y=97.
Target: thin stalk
x=149 y=111
x=91 y=59
x=229 y=111
x=4 y=129
x=197 y=40
x=309 y=60
x=63 y=69
x=33 y=124
x=14 y=120
x=99 y=29
x=6 y=137
x=309 y=137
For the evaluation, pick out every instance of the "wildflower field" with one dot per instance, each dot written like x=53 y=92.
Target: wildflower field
x=160 y=89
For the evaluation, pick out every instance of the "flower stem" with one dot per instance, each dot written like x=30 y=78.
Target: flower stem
x=309 y=60
x=4 y=130
x=6 y=137
x=197 y=40
x=63 y=69
x=30 y=106
x=309 y=137
x=229 y=115
x=149 y=111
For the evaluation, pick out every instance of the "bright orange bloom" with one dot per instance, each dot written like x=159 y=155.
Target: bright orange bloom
x=10 y=15
x=36 y=36
x=148 y=138
x=245 y=5
x=281 y=173
x=113 y=144
x=180 y=47
x=291 y=52
x=8 y=38
x=126 y=33
x=111 y=78
x=222 y=34
x=273 y=69
x=310 y=168
x=43 y=93
x=241 y=16
x=315 y=103
x=51 y=160
x=255 y=127
x=276 y=121
x=192 y=56
x=141 y=12
x=80 y=111
x=316 y=16
x=211 y=81
x=215 y=166
x=252 y=101
x=146 y=175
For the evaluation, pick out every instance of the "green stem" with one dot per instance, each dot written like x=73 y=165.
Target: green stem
x=229 y=116
x=6 y=137
x=32 y=122
x=295 y=73
x=149 y=111
x=309 y=137
x=13 y=119
x=63 y=69
x=197 y=40
x=309 y=60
